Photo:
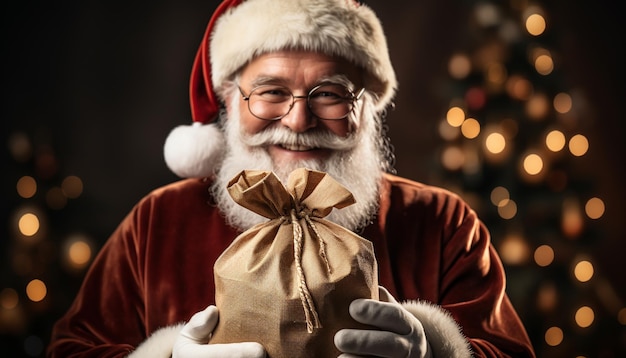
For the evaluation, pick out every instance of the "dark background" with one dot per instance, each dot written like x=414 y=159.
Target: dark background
x=99 y=84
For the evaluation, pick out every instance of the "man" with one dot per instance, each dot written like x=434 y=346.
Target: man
x=278 y=85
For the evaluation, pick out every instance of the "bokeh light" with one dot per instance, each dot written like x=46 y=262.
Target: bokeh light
x=583 y=271
x=584 y=317
x=535 y=24
x=72 y=187
x=514 y=250
x=578 y=145
x=470 y=128
x=459 y=66
x=9 y=299
x=533 y=164
x=28 y=224
x=554 y=336
x=555 y=140
x=452 y=158
x=544 y=65
x=26 y=187
x=498 y=195
x=572 y=222
x=36 y=290
x=455 y=116
x=562 y=103
x=594 y=208
x=544 y=255
x=495 y=143
x=507 y=209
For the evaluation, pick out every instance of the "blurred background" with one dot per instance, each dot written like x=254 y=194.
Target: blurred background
x=515 y=105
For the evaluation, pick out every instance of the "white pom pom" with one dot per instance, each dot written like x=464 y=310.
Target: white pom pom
x=193 y=151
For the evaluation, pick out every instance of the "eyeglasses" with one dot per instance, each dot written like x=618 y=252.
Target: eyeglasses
x=329 y=101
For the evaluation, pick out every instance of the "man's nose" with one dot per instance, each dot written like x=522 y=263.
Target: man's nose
x=299 y=119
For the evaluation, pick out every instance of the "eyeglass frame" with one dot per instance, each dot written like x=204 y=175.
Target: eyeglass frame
x=308 y=105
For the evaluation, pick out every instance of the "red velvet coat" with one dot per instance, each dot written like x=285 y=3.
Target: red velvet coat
x=156 y=270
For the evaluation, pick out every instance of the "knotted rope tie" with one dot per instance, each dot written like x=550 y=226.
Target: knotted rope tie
x=310 y=313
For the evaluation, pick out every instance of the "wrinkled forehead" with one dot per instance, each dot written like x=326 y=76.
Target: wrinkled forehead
x=302 y=68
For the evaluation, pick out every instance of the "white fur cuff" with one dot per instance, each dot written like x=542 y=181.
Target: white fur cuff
x=442 y=331
x=159 y=344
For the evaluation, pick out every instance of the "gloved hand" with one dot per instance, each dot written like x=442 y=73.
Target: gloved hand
x=400 y=333
x=192 y=342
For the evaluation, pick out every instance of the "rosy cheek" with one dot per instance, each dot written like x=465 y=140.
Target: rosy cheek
x=253 y=125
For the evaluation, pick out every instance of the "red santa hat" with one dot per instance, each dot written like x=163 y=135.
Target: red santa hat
x=241 y=30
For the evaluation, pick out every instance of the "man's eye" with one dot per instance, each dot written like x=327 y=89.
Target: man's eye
x=327 y=94
x=273 y=93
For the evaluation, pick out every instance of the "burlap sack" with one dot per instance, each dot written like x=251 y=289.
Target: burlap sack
x=287 y=283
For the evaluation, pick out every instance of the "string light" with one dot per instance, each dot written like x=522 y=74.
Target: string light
x=512 y=103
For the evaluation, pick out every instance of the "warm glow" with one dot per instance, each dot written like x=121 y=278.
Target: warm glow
x=583 y=271
x=36 y=290
x=452 y=158
x=448 y=132
x=547 y=297
x=455 y=116
x=544 y=255
x=544 y=64
x=26 y=187
x=554 y=336
x=533 y=164
x=584 y=316
x=9 y=298
x=28 y=224
x=535 y=24
x=459 y=66
x=496 y=74
x=578 y=145
x=621 y=316
x=79 y=253
x=495 y=143
x=507 y=209
x=594 y=208
x=498 y=195
x=72 y=187
x=555 y=140
x=572 y=220
x=514 y=250
x=562 y=103
x=538 y=107
x=470 y=128
x=519 y=87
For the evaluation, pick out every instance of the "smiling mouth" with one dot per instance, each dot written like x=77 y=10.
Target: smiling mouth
x=296 y=147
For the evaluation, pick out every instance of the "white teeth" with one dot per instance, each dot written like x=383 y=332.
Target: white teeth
x=296 y=148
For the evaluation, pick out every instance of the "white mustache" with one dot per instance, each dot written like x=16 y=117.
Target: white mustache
x=314 y=139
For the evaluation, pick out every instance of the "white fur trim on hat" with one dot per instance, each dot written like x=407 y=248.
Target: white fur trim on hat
x=160 y=344
x=194 y=150
x=442 y=331
x=334 y=27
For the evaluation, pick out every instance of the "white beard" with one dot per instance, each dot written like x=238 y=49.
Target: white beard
x=357 y=162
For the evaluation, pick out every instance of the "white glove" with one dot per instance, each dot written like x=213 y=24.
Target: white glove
x=400 y=333
x=192 y=342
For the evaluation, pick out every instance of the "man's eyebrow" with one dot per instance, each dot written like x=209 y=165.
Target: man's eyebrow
x=270 y=80
x=338 y=79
